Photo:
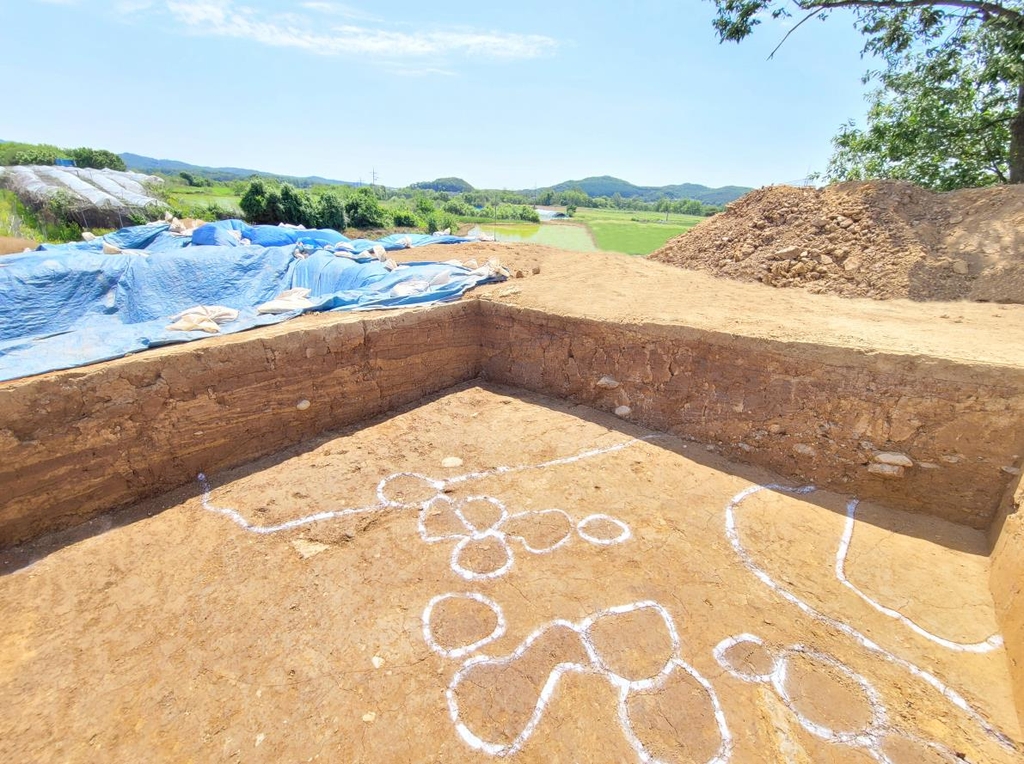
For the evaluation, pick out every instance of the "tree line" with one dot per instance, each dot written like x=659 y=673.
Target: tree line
x=44 y=154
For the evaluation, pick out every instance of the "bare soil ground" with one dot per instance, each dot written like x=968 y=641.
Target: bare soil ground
x=631 y=290
x=11 y=246
x=322 y=606
x=878 y=239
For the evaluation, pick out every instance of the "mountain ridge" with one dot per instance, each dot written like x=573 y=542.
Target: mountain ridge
x=597 y=185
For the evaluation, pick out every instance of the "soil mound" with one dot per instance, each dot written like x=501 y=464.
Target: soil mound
x=878 y=239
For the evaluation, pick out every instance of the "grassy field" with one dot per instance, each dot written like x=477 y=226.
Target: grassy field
x=635 y=233
x=222 y=196
x=561 y=235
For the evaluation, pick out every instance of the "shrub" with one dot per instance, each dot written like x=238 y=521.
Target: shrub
x=439 y=221
x=423 y=205
x=403 y=218
x=458 y=207
x=97 y=159
x=254 y=201
x=364 y=210
x=331 y=211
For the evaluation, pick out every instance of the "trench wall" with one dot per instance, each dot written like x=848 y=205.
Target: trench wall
x=1007 y=583
x=78 y=443
x=813 y=414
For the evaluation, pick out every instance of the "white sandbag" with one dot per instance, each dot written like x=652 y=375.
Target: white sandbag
x=217 y=313
x=287 y=301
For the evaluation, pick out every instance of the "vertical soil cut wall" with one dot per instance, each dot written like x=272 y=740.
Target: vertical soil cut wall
x=933 y=436
x=79 y=443
x=823 y=415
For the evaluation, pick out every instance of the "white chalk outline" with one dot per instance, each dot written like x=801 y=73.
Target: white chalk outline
x=871 y=738
x=495 y=531
x=595 y=666
x=624 y=535
x=994 y=642
x=458 y=652
x=951 y=695
x=475 y=575
x=385 y=503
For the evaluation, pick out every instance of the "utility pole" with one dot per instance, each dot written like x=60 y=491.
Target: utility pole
x=373 y=176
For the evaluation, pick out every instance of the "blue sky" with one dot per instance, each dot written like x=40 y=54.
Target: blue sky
x=505 y=95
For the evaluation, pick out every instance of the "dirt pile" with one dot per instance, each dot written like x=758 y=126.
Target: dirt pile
x=878 y=239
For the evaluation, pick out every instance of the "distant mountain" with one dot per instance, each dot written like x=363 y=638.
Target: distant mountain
x=450 y=185
x=605 y=185
x=223 y=174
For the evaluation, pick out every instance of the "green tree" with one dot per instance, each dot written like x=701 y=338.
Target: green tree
x=297 y=207
x=949 y=109
x=423 y=205
x=98 y=159
x=364 y=210
x=254 y=201
x=933 y=123
x=331 y=211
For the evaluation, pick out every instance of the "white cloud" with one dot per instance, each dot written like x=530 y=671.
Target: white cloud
x=339 y=9
x=225 y=19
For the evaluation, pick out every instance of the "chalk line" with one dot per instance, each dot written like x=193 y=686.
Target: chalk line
x=596 y=666
x=994 y=642
x=384 y=503
x=869 y=738
x=458 y=652
x=948 y=693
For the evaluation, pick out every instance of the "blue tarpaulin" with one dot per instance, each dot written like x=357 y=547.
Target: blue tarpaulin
x=70 y=305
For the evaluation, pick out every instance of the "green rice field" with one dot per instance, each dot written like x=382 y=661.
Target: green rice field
x=591 y=230
x=635 y=233
x=561 y=235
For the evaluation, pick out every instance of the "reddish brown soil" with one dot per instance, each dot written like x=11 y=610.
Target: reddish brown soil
x=170 y=633
x=882 y=240
x=10 y=246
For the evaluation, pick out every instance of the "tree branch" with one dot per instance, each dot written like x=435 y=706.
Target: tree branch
x=795 y=27
x=989 y=8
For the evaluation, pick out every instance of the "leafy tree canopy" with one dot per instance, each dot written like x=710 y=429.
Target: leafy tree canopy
x=948 y=110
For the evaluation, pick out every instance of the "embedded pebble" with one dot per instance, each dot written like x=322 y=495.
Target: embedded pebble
x=623 y=411
x=886 y=470
x=377 y=661
x=608 y=383
x=302 y=405
x=895 y=459
x=370 y=717
x=804 y=450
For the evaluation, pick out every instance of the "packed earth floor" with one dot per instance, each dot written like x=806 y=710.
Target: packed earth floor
x=492 y=573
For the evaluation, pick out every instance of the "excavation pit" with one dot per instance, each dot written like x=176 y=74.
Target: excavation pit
x=504 y=568
x=631 y=594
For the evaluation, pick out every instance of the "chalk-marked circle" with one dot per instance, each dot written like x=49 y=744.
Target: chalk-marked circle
x=867 y=737
x=728 y=643
x=624 y=535
x=725 y=747
x=543 y=550
x=473 y=575
x=631 y=685
x=502 y=513
x=426 y=508
x=458 y=652
x=434 y=485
